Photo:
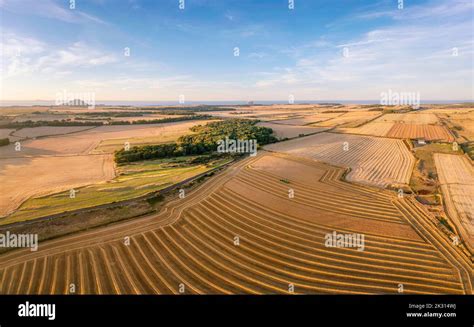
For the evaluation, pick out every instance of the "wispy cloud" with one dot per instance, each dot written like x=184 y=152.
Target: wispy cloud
x=409 y=53
x=50 y=9
x=23 y=55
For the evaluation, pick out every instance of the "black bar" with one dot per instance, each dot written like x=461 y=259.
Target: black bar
x=312 y=310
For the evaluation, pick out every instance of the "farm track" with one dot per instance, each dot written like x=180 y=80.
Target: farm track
x=188 y=248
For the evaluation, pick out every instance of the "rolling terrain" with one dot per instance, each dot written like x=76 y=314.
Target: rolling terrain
x=190 y=247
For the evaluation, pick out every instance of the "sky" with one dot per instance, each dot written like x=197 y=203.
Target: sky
x=236 y=50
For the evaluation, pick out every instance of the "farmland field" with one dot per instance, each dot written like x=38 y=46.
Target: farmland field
x=374 y=161
x=338 y=178
x=289 y=131
x=456 y=176
x=77 y=158
x=133 y=180
x=22 y=178
x=374 y=128
x=48 y=131
x=189 y=247
x=409 y=118
x=460 y=122
x=86 y=141
x=207 y=147
x=308 y=119
x=4 y=132
x=350 y=119
x=422 y=131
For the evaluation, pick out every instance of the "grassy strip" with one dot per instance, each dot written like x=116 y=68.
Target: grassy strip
x=133 y=181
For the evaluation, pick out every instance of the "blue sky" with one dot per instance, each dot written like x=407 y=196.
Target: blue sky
x=319 y=50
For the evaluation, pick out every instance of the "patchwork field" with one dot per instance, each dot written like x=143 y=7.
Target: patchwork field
x=456 y=176
x=350 y=119
x=4 y=132
x=240 y=231
x=288 y=131
x=374 y=128
x=409 y=118
x=132 y=181
x=460 y=122
x=374 y=161
x=22 y=178
x=420 y=131
x=48 y=131
x=85 y=142
x=225 y=238
x=74 y=159
x=308 y=119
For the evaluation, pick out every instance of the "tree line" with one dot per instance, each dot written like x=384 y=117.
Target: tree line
x=55 y=123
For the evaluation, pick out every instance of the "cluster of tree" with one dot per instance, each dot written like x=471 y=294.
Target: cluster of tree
x=207 y=136
x=4 y=141
x=203 y=141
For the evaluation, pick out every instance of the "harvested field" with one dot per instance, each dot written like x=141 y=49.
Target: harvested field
x=308 y=119
x=350 y=119
x=456 y=176
x=43 y=117
x=420 y=131
x=85 y=142
x=289 y=131
x=461 y=122
x=22 y=178
x=5 y=132
x=467 y=128
x=410 y=118
x=133 y=181
x=48 y=131
x=372 y=128
x=189 y=247
x=145 y=117
x=58 y=163
x=374 y=161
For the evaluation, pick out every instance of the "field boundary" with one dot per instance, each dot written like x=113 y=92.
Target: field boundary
x=147 y=196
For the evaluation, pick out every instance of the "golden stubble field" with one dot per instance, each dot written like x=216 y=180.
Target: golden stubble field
x=87 y=141
x=374 y=161
x=240 y=233
x=76 y=158
x=22 y=178
x=456 y=176
x=412 y=125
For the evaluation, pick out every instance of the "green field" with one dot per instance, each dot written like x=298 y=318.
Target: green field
x=133 y=180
